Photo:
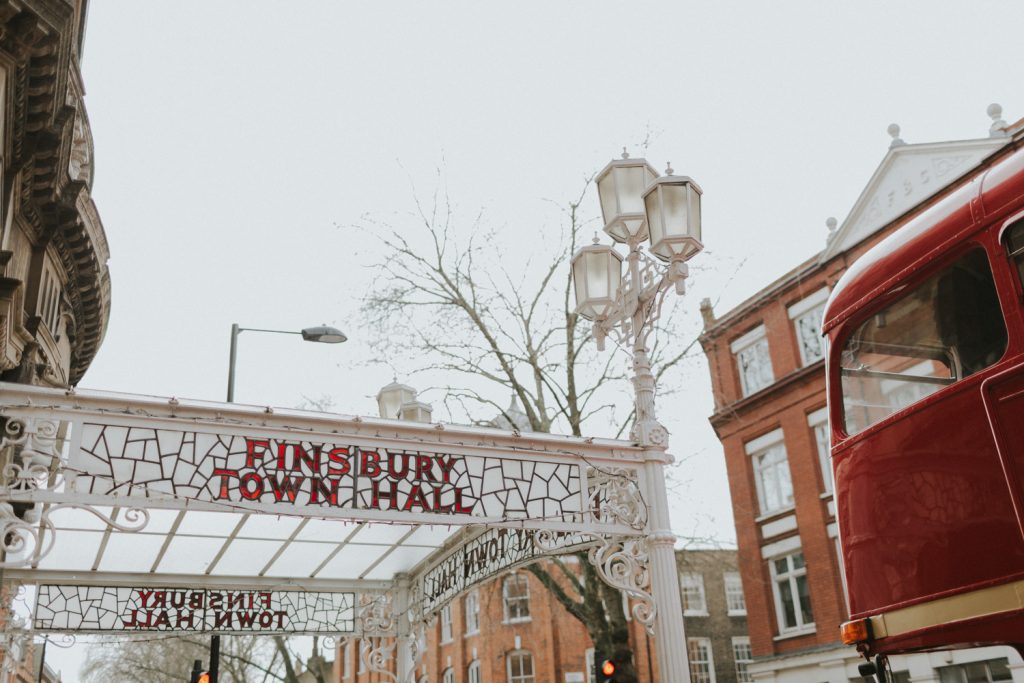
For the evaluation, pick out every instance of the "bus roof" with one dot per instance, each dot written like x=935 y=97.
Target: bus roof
x=922 y=238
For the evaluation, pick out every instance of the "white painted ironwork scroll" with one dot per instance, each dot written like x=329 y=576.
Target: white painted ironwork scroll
x=110 y=609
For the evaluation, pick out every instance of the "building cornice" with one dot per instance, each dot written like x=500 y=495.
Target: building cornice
x=736 y=409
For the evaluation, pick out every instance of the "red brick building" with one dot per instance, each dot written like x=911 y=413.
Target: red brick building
x=767 y=371
x=512 y=629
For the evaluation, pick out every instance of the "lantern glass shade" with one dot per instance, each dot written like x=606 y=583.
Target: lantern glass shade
x=673 y=216
x=416 y=411
x=597 y=276
x=620 y=187
x=391 y=398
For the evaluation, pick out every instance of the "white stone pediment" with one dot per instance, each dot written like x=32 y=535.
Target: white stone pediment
x=908 y=175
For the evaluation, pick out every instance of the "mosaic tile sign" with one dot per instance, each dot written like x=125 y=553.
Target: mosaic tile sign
x=101 y=609
x=138 y=461
x=486 y=555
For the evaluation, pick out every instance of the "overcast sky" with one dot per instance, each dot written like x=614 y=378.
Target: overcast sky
x=232 y=138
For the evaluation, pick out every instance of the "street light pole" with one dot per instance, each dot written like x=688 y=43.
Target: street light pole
x=637 y=205
x=322 y=334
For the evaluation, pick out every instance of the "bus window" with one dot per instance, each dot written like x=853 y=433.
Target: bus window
x=946 y=329
x=1015 y=246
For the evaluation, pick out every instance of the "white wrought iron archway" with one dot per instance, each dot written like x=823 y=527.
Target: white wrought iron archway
x=139 y=514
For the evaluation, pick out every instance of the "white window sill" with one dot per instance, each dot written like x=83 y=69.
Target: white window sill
x=695 y=613
x=447 y=642
x=520 y=620
x=797 y=632
x=774 y=513
x=737 y=613
x=826 y=495
x=471 y=634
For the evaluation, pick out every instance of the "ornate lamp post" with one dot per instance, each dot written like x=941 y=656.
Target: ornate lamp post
x=638 y=205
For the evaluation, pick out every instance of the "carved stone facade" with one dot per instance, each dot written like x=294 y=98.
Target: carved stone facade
x=54 y=283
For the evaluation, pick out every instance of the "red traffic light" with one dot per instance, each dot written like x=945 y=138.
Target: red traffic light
x=607 y=667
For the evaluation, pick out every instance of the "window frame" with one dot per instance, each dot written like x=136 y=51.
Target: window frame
x=523 y=655
x=744 y=675
x=473 y=672
x=791 y=577
x=471 y=604
x=745 y=343
x=811 y=304
x=448 y=675
x=522 y=599
x=445 y=620
x=737 y=580
x=694 y=661
x=817 y=422
x=918 y=278
x=758 y=448
x=696 y=583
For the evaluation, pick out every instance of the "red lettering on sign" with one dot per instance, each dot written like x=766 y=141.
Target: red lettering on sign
x=251 y=486
x=394 y=472
x=266 y=599
x=327 y=488
x=300 y=457
x=245 y=619
x=460 y=509
x=438 y=507
x=424 y=466
x=223 y=619
x=250 y=451
x=144 y=597
x=416 y=497
x=376 y=492
x=339 y=457
x=159 y=599
x=285 y=486
x=161 y=620
x=182 y=616
x=195 y=600
x=225 y=476
x=446 y=468
x=369 y=463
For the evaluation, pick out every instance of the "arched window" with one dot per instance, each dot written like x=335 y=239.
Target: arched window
x=520 y=667
x=448 y=676
x=473 y=672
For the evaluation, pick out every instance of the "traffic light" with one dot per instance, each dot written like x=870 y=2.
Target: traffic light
x=198 y=674
x=604 y=667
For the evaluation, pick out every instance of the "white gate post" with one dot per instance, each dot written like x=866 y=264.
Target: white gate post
x=405 y=662
x=670 y=636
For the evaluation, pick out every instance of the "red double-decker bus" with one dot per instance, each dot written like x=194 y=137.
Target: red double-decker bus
x=926 y=404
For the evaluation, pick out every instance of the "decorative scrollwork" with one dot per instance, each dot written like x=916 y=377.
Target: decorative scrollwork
x=29 y=538
x=623 y=564
x=377 y=654
x=375 y=614
x=33 y=443
x=615 y=497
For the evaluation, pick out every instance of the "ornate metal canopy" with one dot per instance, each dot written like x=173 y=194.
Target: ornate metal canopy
x=135 y=513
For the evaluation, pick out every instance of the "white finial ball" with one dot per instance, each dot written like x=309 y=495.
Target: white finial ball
x=893 y=130
x=831 y=223
x=994 y=111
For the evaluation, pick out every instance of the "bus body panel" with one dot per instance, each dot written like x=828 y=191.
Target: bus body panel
x=929 y=500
